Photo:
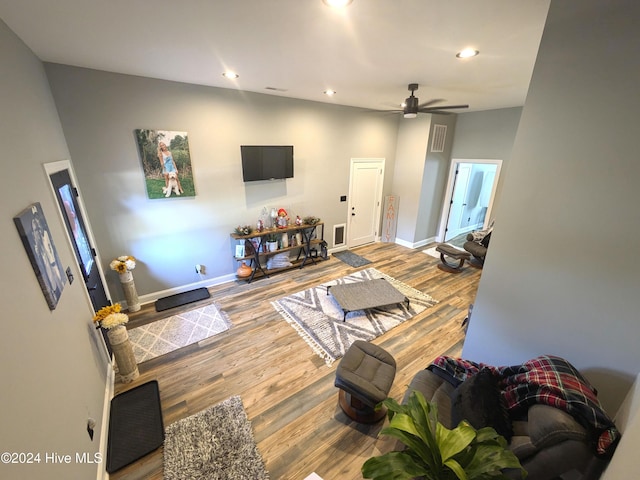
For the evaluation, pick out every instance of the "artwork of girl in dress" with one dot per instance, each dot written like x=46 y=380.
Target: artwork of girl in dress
x=37 y=241
x=166 y=163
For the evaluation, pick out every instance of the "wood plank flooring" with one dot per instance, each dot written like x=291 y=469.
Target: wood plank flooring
x=286 y=389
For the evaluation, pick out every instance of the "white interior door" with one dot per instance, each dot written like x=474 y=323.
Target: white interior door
x=365 y=195
x=484 y=202
x=460 y=186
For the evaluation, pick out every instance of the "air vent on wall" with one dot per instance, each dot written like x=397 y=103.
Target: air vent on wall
x=439 y=138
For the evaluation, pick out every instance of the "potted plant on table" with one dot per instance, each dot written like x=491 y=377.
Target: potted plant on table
x=272 y=242
x=433 y=452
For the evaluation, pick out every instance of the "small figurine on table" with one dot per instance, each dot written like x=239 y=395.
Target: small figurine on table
x=283 y=219
x=298 y=220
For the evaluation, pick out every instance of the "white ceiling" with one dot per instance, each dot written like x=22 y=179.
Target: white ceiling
x=368 y=52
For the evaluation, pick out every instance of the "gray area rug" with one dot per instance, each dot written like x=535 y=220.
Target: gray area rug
x=215 y=444
x=351 y=258
x=177 y=331
x=317 y=317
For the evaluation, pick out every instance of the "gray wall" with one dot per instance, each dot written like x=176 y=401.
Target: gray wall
x=53 y=372
x=420 y=177
x=99 y=113
x=487 y=135
x=411 y=151
x=561 y=275
x=434 y=181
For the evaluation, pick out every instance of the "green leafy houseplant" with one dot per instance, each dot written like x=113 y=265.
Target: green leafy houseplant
x=433 y=452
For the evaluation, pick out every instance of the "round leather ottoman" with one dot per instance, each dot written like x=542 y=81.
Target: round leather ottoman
x=364 y=376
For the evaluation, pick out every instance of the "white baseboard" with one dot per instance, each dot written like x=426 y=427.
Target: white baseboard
x=104 y=428
x=414 y=245
x=210 y=282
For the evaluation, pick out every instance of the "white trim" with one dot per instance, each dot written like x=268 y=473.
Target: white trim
x=344 y=235
x=414 y=245
x=152 y=297
x=104 y=428
x=50 y=169
x=55 y=167
x=449 y=191
x=378 y=212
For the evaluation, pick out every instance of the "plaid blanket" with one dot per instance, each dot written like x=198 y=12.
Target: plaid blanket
x=547 y=380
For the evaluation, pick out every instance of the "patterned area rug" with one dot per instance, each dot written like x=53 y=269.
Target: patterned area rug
x=164 y=336
x=216 y=443
x=317 y=317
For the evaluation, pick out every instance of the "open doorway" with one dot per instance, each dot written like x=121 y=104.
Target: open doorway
x=469 y=196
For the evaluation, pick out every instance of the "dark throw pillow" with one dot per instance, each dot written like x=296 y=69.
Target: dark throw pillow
x=485 y=241
x=478 y=401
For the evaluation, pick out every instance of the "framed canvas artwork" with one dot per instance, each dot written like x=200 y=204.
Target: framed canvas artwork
x=36 y=238
x=166 y=163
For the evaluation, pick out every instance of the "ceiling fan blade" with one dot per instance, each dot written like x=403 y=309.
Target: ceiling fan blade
x=431 y=102
x=443 y=107
x=389 y=111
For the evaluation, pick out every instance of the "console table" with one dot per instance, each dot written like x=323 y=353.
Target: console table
x=257 y=253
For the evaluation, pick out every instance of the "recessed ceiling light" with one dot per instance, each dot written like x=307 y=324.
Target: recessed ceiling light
x=330 y=92
x=337 y=3
x=231 y=75
x=467 y=53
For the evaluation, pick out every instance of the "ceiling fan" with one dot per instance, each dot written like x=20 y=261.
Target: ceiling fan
x=411 y=107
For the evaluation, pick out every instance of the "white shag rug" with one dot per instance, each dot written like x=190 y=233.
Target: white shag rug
x=216 y=444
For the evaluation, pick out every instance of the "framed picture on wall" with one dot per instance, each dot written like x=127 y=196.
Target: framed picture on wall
x=37 y=241
x=166 y=163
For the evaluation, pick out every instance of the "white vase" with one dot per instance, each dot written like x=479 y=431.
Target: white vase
x=123 y=353
x=129 y=289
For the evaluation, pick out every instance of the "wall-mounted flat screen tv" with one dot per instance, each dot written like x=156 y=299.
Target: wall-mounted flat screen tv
x=266 y=162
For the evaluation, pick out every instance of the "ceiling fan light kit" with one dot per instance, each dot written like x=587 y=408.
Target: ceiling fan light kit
x=467 y=53
x=337 y=3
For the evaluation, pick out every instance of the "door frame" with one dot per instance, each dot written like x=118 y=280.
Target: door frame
x=460 y=168
x=446 y=204
x=55 y=167
x=378 y=207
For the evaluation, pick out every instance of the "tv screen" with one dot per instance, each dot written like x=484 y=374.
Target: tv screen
x=266 y=162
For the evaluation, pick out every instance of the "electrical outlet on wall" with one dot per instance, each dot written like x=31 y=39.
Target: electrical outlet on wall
x=200 y=269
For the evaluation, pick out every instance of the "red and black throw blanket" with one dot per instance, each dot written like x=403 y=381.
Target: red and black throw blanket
x=548 y=380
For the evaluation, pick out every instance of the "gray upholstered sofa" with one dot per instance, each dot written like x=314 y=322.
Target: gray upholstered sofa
x=547 y=441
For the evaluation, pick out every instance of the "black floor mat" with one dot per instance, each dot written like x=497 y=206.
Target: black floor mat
x=181 y=299
x=135 y=425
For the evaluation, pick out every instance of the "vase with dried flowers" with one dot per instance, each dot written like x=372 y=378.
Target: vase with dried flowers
x=111 y=319
x=123 y=265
